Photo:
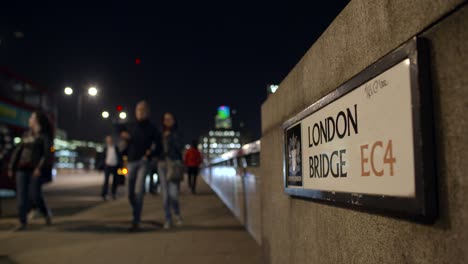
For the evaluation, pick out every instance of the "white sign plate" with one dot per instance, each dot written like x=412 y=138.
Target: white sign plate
x=370 y=142
x=362 y=142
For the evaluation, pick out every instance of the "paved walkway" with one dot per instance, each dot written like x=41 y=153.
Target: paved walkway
x=87 y=230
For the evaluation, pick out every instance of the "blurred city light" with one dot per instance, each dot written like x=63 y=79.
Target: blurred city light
x=105 y=114
x=137 y=61
x=92 y=91
x=123 y=115
x=273 y=88
x=119 y=108
x=18 y=34
x=224 y=112
x=68 y=91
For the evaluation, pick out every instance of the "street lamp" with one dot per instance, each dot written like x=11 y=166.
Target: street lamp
x=68 y=91
x=123 y=115
x=92 y=91
x=105 y=114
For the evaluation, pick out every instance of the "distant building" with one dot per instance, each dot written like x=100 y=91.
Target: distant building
x=223 y=119
x=75 y=154
x=218 y=142
x=223 y=138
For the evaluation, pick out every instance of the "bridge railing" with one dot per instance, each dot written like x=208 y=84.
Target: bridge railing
x=235 y=179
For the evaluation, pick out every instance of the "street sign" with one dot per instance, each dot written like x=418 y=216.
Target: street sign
x=369 y=143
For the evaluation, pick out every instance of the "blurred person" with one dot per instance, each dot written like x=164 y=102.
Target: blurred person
x=192 y=161
x=142 y=138
x=170 y=169
x=112 y=161
x=31 y=163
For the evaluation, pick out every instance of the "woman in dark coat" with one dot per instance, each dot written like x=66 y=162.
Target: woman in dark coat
x=30 y=162
x=169 y=158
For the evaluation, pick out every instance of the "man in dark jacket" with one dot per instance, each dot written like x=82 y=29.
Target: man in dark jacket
x=142 y=138
x=112 y=161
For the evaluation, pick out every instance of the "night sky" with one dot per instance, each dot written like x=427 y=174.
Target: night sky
x=194 y=56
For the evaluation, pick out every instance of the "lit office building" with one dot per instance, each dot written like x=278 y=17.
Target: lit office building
x=218 y=142
x=75 y=154
x=221 y=139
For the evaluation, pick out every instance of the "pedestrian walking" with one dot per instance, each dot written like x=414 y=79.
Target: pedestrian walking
x=112 y=161
x=192 y=161
x=31 y=164
x=170 y=169
x=141 y=136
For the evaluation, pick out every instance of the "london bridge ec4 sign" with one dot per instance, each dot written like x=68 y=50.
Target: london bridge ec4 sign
x=369 y=144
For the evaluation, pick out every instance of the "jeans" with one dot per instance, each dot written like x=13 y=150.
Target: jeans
x=29 y=193
x=137 y=171
x=108 y=170
x=170 y=192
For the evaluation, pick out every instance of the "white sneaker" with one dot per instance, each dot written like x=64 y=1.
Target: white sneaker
x=34 y=214
x=31 y=215
x=178 y=221
x=167 y=225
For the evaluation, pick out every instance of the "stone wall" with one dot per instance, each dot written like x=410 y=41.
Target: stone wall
x=301 y=231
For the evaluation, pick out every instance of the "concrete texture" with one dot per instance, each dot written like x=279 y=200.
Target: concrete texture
x=240 y=190
x=98 y=233
x=253 y=195
x=299 y=231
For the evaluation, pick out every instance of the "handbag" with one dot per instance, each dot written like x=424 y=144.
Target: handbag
x=46 y=174
x=175 y=170
x=47 y=168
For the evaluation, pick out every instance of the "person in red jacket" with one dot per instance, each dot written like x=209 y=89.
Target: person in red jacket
x=192 y=160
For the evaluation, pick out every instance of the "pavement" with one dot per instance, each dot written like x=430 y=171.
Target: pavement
x=88 y=230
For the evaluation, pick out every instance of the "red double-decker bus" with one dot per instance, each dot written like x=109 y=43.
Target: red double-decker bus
x=19 y=97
